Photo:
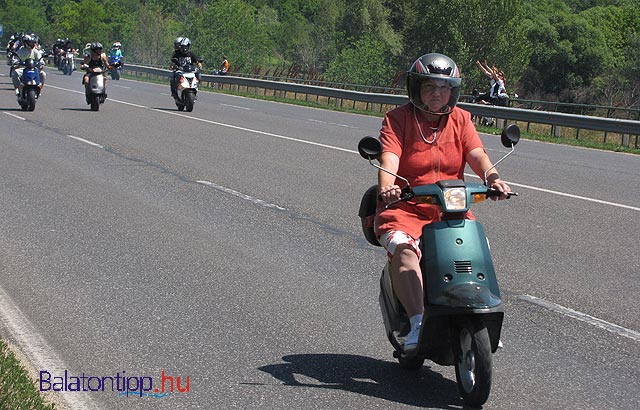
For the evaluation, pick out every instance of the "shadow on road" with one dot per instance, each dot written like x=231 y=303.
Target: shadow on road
x=367 y=376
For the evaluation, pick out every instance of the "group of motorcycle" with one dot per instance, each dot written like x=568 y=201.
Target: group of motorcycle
x=30 y=81
x=95 y=94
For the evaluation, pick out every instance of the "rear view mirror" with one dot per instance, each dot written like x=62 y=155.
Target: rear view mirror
x=510 y=135
x=370 y=148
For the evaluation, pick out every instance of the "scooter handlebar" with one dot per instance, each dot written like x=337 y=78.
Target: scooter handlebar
x=495 y=193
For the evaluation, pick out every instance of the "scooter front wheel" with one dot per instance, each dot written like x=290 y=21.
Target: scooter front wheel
x=410 y=363
x=189 y=99
x=95 y=102
x=31 y=100
x=472 y=350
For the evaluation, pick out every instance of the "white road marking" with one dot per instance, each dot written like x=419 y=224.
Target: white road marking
x=241 y=195
x=332 y=123
x=594 y=321
x=633 y=208
x=40 y=355
x=549 y=191
x=14 y=116
x=86 y=141
x=237 y=106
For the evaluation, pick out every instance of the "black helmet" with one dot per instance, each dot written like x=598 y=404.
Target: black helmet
x=433 y=66
x=96 y=46
x=185 y=45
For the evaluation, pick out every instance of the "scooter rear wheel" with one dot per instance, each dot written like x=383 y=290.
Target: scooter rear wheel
x=472 y=351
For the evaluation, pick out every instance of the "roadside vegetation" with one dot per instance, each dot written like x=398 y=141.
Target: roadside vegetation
x=572 y=51
x=17 y=390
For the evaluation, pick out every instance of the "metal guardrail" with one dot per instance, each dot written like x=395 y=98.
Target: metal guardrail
x=613 y=125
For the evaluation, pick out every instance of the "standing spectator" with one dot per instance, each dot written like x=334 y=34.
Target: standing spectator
x=224 y=66
x=488 y=71
x=497 y=94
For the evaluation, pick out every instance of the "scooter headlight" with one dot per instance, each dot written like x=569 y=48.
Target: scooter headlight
x=455 y=199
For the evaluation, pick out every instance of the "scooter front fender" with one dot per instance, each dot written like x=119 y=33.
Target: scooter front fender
x=96 y=83
x=470 y=296
x=457 y=266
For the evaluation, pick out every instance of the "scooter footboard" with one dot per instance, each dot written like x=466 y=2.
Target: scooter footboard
x=457 y=267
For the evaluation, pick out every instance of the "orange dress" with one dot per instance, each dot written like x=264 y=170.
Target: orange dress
x=423 y=163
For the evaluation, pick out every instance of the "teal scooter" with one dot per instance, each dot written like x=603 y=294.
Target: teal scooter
x=463 y=309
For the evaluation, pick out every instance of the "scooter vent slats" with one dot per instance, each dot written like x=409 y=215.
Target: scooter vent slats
x=463 y=266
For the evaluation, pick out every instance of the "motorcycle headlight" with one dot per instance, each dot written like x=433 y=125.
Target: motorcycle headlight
x=455 y=199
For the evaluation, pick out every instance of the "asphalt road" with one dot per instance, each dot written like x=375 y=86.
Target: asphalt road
x=223 y=245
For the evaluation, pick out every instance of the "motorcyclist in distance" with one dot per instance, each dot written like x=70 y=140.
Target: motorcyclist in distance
x=95 y=59
x=15 y=41
x=55 y=51
x=116 y=50
x=29 y=49
x=182 y=55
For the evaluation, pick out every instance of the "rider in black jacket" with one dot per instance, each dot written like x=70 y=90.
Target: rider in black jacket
x=182 y=56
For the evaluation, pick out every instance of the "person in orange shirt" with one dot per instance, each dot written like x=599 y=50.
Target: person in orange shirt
x=224 y=66
x=426 y=140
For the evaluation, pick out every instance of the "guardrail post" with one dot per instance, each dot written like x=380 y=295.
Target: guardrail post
x=556 y=131
x=625 y=140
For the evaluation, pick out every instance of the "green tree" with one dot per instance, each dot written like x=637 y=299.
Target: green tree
x=18 y=16
x=151 y=40
x=121 y=20
x=567 y=52
x=365 y=62
x=230 y=27
x=82 y=22
x=466 y=31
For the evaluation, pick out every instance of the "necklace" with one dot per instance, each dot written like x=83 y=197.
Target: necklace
x=434 y=130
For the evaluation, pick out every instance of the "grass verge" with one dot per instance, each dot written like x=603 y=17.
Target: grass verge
x=17 y=390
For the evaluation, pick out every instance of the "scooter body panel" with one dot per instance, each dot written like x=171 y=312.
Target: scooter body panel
x=459 y=280
x=96 y=83
x=457 y=266
x=395 y=319
x=30 y=77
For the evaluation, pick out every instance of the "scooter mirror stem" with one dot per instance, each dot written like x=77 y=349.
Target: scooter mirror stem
x=513 y=147
x=391 y=173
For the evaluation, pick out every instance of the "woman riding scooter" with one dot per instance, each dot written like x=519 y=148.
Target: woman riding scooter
x=426 y=140
x=96 y=59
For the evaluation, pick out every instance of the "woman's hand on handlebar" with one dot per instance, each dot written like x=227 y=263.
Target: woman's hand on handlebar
x=390 y=193
x=502 y=187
